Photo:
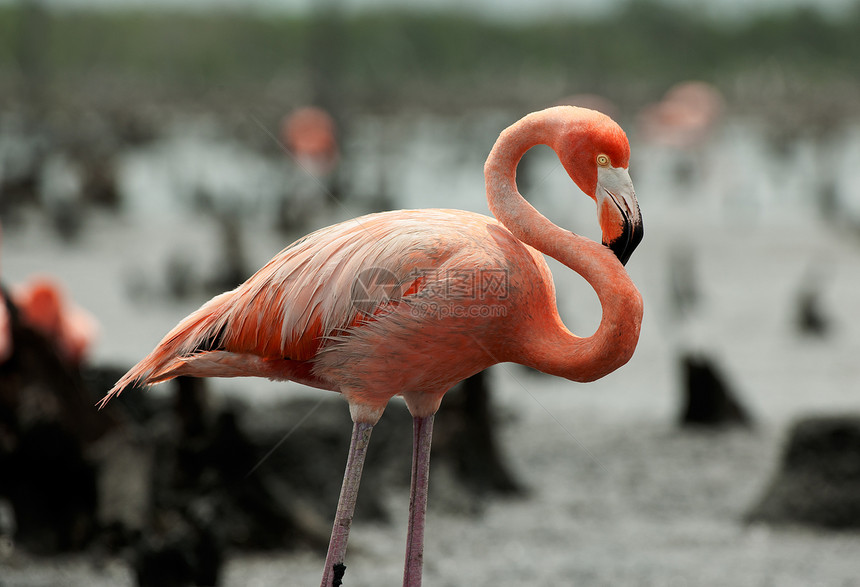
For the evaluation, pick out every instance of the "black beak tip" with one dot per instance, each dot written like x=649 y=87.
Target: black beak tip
x=624 y=245
x=619 y=246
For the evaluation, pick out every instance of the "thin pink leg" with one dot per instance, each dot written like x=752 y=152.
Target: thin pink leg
x=422 y=436
x=334 y=567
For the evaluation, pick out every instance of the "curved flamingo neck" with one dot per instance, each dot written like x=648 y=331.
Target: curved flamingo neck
x=558 y=351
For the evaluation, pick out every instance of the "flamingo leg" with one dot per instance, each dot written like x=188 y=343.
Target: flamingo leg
x=422 y=435
x=334 y=567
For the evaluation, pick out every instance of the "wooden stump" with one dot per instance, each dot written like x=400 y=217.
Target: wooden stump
x=818 y=480
x=708 y=400
x=467 y=433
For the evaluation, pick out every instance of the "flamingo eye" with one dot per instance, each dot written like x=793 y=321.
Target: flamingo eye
x=603 y=160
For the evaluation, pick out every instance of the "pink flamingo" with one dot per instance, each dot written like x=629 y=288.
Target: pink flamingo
x=44 y=307
x=685 y=117
x=410 y=302
x=309 y=134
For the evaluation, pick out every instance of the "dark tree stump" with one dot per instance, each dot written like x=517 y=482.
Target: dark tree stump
x=818 y=480
x=467 y=434
x=810 y=319
x=708 y=400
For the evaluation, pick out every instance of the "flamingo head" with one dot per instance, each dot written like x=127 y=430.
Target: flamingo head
x=596 y=154
x=618 y=211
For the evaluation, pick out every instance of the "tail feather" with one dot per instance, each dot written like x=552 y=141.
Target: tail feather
x=166 y=361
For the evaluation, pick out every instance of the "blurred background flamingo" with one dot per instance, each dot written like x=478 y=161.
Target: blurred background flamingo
x=45 y=308
x=685 y=116
x=309 y=135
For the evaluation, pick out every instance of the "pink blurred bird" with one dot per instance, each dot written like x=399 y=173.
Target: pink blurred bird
x=309 y=134
x=684 y=117
x=45 y=308
x=411 y=302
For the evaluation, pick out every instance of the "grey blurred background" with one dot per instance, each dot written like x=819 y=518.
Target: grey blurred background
x=146 y=165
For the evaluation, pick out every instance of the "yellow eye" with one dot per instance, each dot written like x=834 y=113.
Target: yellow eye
x=602 y=160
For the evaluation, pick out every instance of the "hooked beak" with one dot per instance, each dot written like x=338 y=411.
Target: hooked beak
x=618 y=212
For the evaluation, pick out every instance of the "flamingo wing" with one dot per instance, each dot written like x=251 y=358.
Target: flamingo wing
x=278 y=320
